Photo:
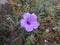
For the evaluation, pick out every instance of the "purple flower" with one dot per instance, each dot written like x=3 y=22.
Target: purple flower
x=29 y=22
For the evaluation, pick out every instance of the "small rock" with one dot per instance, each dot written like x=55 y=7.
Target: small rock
x=47 y=30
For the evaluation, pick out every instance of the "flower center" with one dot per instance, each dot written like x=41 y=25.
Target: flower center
x=28 y=22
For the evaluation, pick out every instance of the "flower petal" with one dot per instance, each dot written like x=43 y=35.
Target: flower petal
x=33 y=17
x=22 y=23
x=29 y=28
x=26 y=15
x=35 y=24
